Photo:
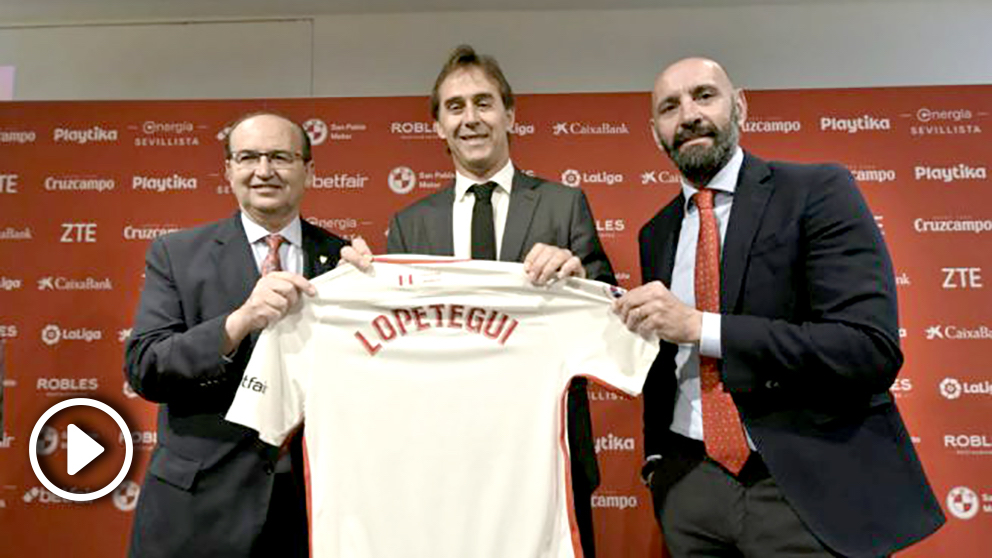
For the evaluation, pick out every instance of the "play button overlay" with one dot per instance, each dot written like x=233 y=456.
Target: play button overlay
x=80 y=448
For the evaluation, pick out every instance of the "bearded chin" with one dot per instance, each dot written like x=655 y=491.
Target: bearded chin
x=699 y=164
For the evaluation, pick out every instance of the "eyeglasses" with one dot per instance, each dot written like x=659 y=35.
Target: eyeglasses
x=278 y=158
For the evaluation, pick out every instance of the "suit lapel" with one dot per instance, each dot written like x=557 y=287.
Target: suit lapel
x=437 y=224
x=235 y=262
x=523 y=201
x=317 y=258
x=667 y=241
x=753 y=190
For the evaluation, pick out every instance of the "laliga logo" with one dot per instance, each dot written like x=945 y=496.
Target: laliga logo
x=950 y=388
x=402 y=180
x=571 y=177
x=51 y=334
x=962 y=502
x=317 y=130
x=126 y=496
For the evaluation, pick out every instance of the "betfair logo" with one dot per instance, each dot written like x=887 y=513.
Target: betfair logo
x=253 y=384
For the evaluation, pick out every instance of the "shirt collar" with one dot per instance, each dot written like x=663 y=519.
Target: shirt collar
x=503 y=177
x=293 y=232
x=724 y=181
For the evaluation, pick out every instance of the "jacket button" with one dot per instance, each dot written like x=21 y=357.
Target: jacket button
x=269 y=468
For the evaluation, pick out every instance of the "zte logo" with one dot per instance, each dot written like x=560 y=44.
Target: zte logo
x=78 y=232
x=962 y=277
x=8 y=183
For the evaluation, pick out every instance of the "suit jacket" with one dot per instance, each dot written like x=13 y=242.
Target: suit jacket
x=540 y=211
x=209 y=482
x=810 y=341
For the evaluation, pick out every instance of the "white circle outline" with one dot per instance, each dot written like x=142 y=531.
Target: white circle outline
x=76 y=402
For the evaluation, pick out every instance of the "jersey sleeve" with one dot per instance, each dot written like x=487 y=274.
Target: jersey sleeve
x=605 y=351
x=270 y=399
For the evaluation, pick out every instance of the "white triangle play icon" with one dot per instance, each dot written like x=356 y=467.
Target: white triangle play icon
x=81 y=449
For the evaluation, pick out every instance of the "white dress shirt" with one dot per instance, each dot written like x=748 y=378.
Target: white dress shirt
x=461 y=214
x=290 y=252
x=688 y=418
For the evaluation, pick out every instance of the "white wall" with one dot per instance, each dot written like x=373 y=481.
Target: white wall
x=825 y=45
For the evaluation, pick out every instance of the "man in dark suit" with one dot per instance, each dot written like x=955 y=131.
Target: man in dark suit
x=768 y=426
x=547 y=226
x=212 y=488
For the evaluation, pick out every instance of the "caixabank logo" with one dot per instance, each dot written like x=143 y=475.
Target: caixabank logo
x=964 y=503
x=956 y=333
x=660 y=177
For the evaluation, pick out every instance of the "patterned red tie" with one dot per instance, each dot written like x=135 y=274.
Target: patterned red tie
x=271 y=262
x=722 y=429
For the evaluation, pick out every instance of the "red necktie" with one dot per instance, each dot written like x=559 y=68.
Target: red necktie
x=722 y=429
x=271 y=262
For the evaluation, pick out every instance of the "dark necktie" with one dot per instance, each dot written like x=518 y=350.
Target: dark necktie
x=271 y=262
x=722 y=429
x=483 y=230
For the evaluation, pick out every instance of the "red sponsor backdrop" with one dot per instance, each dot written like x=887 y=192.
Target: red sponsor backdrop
x=84 y=187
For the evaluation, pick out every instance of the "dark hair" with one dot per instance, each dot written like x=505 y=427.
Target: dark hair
x=304 y=137
x=464 y=56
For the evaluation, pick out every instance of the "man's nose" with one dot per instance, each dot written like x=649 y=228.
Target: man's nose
x=264 y=167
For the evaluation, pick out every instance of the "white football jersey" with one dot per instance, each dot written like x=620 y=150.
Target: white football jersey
x=433 y=391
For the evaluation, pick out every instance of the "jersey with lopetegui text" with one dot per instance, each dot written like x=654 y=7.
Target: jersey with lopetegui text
x=433 y=392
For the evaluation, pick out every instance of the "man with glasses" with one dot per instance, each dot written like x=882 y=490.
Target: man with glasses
x=212 y=488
